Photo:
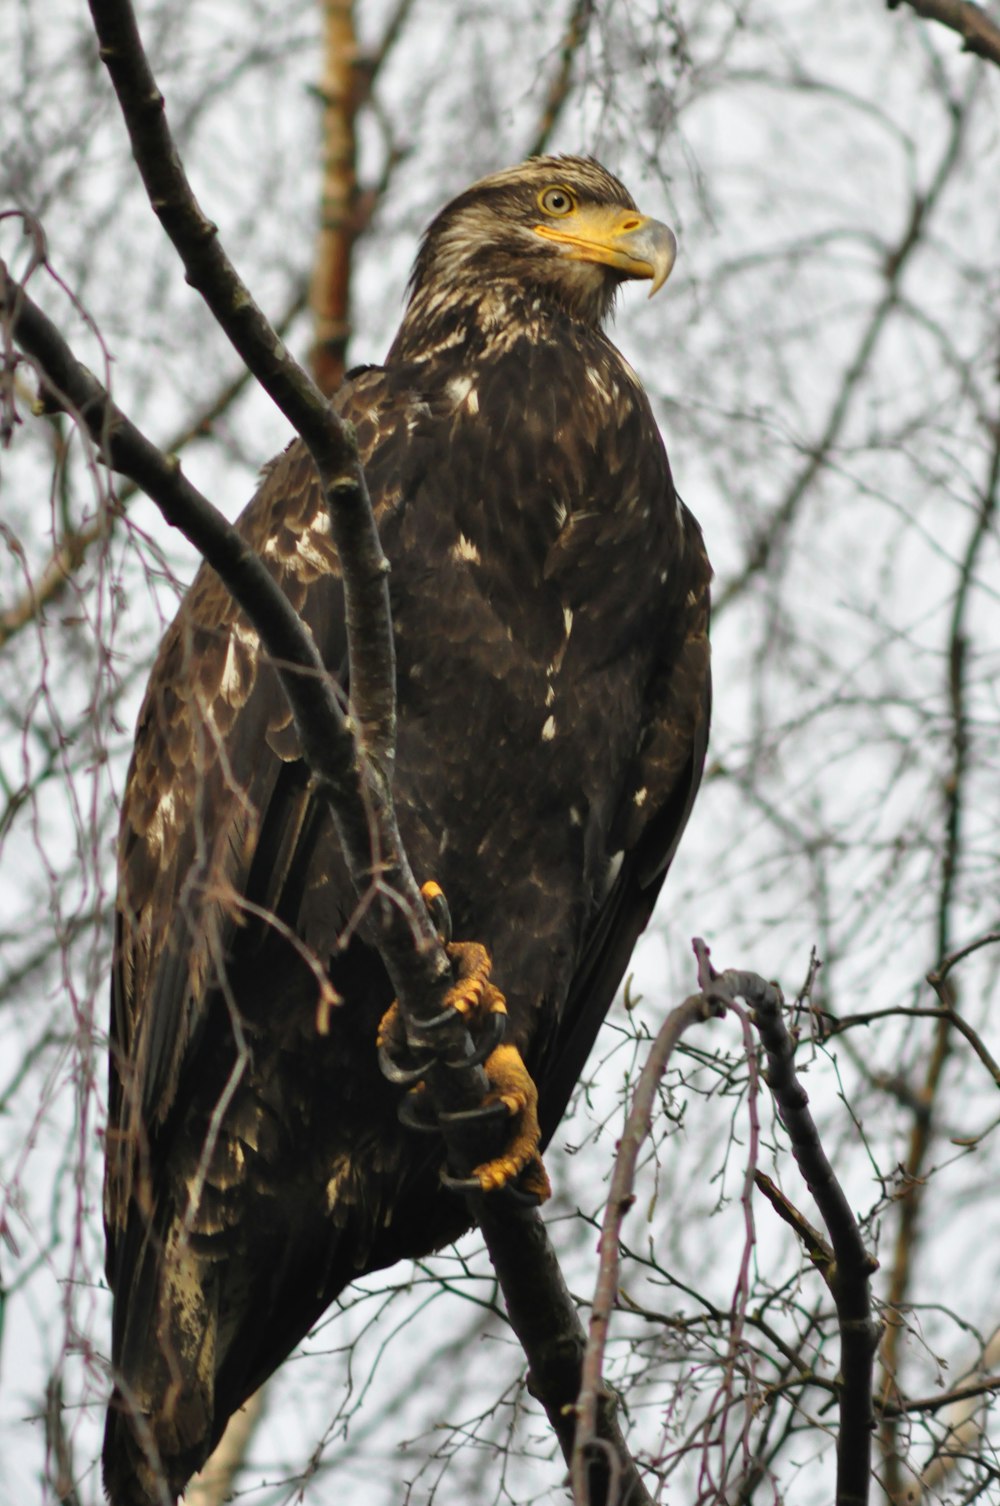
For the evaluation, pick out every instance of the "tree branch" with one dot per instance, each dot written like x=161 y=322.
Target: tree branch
x=544 y=1317
x=212 y=274
x=577 y=25
x=76 y=543
x=979 y=33
x=330 y=289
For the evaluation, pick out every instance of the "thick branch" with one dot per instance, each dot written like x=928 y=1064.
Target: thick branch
x=544 y=1317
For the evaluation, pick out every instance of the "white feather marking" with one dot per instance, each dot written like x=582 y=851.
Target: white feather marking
x=568 y=620
x=465 y=549
x=462 y=390
x=549 y=729
x=246 y=634
x=550 y=694
x=164 y=812
x=231 y=685
x=639 y=798
x=307 y=553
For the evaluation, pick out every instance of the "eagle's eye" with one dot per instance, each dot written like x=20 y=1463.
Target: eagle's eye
x=556 y=201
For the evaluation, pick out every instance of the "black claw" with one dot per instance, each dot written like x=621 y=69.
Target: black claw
x=493 y=1032
x=458 y=1184
x=437 y=909
x=417 y=1114
x=483 y=1117
x=518 y=1198
x=422 y=1031
x=403 y=1077
x=510 y=1193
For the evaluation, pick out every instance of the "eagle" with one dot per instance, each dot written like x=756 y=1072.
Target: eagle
x=550 y=604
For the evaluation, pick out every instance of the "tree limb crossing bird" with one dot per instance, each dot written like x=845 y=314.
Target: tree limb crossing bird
x=550 y=599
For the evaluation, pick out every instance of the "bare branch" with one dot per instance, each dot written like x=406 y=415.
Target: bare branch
x=979 y=33
x=544 y=1317
x=924 y=1119
x=213 y=1484
x=848 y=1276
x=75 y=545
x=330 y=289
x=577 y=25
x=212 y=274
x=772 y=534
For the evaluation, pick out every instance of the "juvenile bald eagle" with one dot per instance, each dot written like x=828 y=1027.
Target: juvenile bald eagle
x=550 y=601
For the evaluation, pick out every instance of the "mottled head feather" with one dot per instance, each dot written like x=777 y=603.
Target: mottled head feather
x=484 y=241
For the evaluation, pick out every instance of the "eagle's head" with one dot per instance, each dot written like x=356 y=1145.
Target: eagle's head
x=562 y=229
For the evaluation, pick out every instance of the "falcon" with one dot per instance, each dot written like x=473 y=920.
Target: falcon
x=550 y=602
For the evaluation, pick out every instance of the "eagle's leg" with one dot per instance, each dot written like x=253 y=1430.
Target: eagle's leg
x=512 y=1089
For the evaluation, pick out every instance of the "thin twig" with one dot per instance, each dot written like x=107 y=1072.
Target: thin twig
x=620 y=1199
x=923 y=1126
x=848 y=1276
x=575 y=35
x=771 y=536
x=75 y=545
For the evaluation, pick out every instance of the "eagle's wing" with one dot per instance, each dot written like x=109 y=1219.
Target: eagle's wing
x=217 y=803
x=653 y=812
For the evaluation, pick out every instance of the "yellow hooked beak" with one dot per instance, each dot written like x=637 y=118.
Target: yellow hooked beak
x=622 y=238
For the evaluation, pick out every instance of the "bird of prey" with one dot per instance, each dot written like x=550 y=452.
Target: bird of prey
x=550 y=600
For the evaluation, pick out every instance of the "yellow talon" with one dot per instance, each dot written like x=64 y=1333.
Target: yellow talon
x=388 y=1025
x=512 y=1085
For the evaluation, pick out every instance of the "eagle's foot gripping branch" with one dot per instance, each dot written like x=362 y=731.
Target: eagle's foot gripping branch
x=512 y=1097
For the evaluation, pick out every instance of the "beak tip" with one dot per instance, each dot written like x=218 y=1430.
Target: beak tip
x=665 y=255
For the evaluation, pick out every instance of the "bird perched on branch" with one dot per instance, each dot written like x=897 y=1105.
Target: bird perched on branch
x=550 y=598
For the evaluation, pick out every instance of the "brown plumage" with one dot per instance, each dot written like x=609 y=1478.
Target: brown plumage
x=550 y=603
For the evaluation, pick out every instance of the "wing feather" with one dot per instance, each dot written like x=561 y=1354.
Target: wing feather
x=215 y=774
x=653 y=813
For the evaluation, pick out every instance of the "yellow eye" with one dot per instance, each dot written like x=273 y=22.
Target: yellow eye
x=557 y=201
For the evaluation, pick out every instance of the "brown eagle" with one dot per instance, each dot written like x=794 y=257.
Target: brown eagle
x=550 y=599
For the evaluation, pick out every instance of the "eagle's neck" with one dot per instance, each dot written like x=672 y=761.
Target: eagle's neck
x=437 y=321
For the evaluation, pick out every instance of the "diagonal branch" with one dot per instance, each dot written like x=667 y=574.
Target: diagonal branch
x=212 y=274
x=75 y=544
x=979 y=33
x=575 y=35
